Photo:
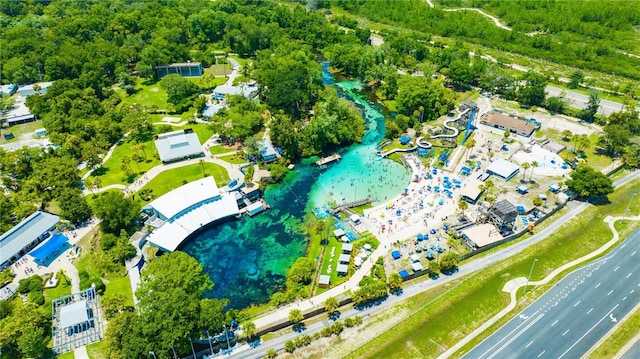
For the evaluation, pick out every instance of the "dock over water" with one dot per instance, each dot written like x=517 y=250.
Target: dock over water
x=346 y=206
x=329 y=159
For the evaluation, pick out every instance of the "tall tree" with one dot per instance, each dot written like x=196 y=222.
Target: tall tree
x=169 y=295
x=533 y=91
x=589 y=183
x=116 y=212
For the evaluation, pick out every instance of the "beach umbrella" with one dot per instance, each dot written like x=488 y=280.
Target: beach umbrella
x=445 y=227
x=433 y=231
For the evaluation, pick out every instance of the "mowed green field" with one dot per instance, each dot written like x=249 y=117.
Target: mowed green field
x=447 y=319
x=174 y=178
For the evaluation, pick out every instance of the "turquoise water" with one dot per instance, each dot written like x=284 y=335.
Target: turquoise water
x=248 y=259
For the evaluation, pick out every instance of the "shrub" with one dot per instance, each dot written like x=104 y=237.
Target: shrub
x=36 y=297
x=337 y=328
x=348 y=323
x=107 y=241
x=289 y=346
x=36 y=284
x=23 y=286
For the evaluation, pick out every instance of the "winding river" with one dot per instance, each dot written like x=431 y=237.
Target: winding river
x=247 y=259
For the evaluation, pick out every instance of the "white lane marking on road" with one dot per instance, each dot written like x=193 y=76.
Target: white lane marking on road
x=554 y=323
x=531 y=342
x=590 y=310
x=628 y=275
x=588 y=331
x=597 y=285
x=618 y=267
x=565 y=332
x=509 y=334
x=611 y=291
x=539 y=355
x=516 y=336
x=575 y=305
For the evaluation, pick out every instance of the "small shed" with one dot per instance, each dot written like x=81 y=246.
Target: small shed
x=554 y=188
x=324 y=281
x=396 y=255
x=41 y=132
x=355 y=218
x=344 y=258
x=522 y=189
x=347 y=247
x=414 y=258
x=342 y=269
x=416 y=266
x=338 y=233
x=403 y=273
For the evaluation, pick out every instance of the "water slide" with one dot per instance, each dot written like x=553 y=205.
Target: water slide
x=422 y=143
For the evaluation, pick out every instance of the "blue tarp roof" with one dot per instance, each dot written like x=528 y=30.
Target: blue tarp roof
x=403 y=273
x=396 y=254
x=51 y=246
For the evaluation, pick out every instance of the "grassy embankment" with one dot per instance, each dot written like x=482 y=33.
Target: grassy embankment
x=462 y=308
x=621 y=336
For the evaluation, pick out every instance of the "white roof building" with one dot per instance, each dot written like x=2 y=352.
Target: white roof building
x=503 y=169
x=178 y=145
x=26 y=90
x=247 y=90
x=187 y=209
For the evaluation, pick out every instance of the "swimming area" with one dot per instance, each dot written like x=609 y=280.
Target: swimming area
x=248 y=259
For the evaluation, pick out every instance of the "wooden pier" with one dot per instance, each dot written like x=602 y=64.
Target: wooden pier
x=329 y=159
x=346 y=206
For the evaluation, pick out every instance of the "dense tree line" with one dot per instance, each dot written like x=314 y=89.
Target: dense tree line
x=592 y=34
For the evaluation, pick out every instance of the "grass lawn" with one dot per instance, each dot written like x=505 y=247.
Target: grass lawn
x=120 y=285
x=222 y=70
x=235 y=158
x=19 y=130
x=63 y=288
x=67 y=355
x=623 y=334
x=464 y=307
x=148 y=93
x=203 y=131
x=172 y=179
x=111 y=173
x=97 y=350
x=216 y=150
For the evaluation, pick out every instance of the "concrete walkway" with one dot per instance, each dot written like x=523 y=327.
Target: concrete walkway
x=81 y=353
x=515 y=284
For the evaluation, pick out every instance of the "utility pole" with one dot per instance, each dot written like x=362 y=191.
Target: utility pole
x=530 y=271
x=627 y=209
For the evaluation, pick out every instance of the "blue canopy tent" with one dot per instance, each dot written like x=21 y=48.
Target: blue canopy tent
x=50 y=249
x=403 y=273
x=405 y=139
x=396 y=254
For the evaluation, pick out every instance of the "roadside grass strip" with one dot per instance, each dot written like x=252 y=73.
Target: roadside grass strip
x=435 y=326
x=619 y=337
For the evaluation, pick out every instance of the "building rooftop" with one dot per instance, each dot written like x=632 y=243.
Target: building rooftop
x=247 y=90
x=471 y=189
x=503 y=168
x=177 y=145
x=73 y=314
x=482 y=235
x=25 y=232
x=184 y=197
x=505 y=121
x=504 y=209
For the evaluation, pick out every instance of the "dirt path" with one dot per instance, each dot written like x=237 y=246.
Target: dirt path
x=491 y=17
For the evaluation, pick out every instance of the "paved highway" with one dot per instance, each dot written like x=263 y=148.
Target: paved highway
x=580 y=101
x=573 y=315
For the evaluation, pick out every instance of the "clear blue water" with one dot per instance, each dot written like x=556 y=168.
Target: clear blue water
x=248 y=259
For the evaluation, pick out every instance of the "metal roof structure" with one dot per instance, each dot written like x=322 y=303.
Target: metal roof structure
x=178 y=145
x=25 y=234
x=76 y=321
x=503 y=169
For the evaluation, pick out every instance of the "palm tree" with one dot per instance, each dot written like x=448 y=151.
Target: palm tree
x=469 y=145
x=202 y=166
x=295 y=316
x=249 y=329
x=525 y=167
x=463 y=205
x=331 y=305
x=534 y=164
